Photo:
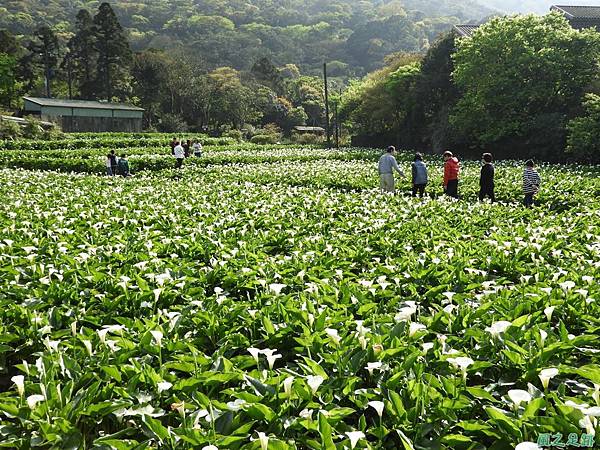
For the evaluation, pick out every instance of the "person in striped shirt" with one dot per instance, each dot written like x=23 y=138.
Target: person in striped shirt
x=531 y=183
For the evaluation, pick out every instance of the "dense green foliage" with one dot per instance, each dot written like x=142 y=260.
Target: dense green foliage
x=237 y=33
x=511 y=88
x=288 y=304
x=521 y=78
x=584 y=131
x=215 y=65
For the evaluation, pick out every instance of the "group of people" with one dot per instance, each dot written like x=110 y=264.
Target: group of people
x=181 y=150
x=116 y=165
x=388 y=164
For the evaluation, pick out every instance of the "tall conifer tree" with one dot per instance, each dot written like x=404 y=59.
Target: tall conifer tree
x=114 y=54
x=81 y=60
x=44 y=53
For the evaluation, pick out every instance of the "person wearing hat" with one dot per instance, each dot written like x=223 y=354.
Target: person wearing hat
x=451 y=171
x=387 y=165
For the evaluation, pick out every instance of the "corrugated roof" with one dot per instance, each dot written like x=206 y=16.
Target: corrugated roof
x=299 y=128
x=465 y=30
x=89 y=104
x=578 y=12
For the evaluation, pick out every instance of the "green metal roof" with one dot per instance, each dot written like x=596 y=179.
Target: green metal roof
x=64 y=103
x=578 y=12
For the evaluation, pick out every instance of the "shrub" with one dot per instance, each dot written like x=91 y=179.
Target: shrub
x=172 y=123
x=235 y=134
x=33 y=128
x=53 y=133
x=584 y=132
x=263 y=139
x=310 y=139
x=10 y=130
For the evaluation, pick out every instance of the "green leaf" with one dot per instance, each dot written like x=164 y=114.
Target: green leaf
x=503 y=421
x=590 y=371
x=268 y=325
x=112 y=372
x=157 y=429
x=481 y=394
x=532 y=408
x=326 y=433
x=259 y=411
x=456 y=440
x=406 y=442
x=398 y=405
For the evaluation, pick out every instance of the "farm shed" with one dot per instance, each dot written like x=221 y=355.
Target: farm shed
x=85 y=115
x=580 y=17
x=310 y=130
x=465 y=30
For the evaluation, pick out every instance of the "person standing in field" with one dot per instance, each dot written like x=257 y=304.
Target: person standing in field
x=486 y=180
x=197 y=148
x=419 y=176
x=186 y=148
x=179 y=153
x=531 y=183
x=124 y=166
x=451 y=171
x=387 y=165
x=173 y=144
x=113 y=162
x=109 y=171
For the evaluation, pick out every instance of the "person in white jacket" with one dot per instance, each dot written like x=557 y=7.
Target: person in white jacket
x=197 y=148
x=179 y=153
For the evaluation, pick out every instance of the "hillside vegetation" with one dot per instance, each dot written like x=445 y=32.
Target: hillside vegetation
x=356 y=34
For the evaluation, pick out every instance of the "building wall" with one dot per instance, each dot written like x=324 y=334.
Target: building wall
x=98 y=124
x=73 y=119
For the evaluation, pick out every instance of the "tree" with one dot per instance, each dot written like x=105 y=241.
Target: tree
x=266 y=73
x=521 y=77
x=584 y=132
x=113 y=50
x=401 y=85
x=7 y=79
x=81 y=59
x=230 y=101
x=44 y=53
x=435 y=95
x=381 y=104
x=150 y=70
x=9 y=44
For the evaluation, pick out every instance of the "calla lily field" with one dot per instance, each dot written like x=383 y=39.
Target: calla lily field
x=273 y=298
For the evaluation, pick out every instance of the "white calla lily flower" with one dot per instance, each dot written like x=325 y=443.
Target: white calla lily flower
x=34 y=399
x=377 y=406
x=19 y=381
x=546 y=375
x=497 y=328
x=314 y=381
x=354 y=437
x=518 y=396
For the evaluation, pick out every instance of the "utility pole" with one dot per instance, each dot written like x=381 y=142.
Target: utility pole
x=327 y=130
x=337 y=125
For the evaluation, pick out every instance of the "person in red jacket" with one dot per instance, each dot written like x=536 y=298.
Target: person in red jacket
x=451 y=170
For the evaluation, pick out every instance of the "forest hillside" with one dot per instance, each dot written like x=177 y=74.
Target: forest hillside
x=354 y=36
